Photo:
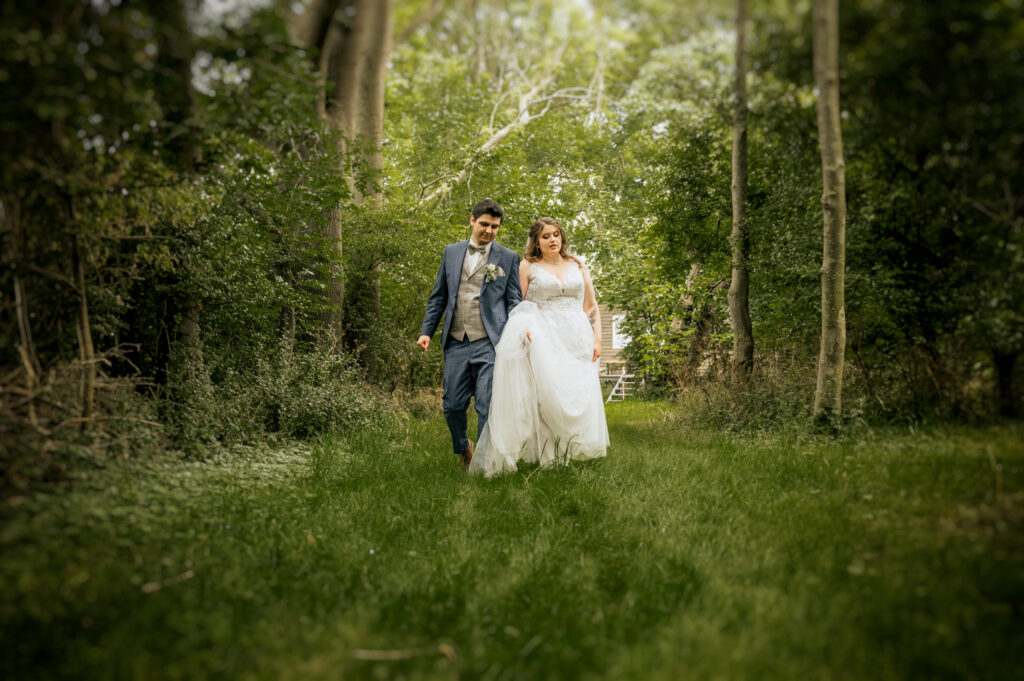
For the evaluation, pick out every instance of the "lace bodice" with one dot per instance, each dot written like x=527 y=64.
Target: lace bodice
x=547 y=290
x=561 y=306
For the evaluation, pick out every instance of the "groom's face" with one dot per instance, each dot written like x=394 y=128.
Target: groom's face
x=485 y=228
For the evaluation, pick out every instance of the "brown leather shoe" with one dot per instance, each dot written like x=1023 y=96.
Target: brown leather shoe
x=467 y=456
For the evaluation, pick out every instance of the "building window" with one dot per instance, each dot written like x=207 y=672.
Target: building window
x=619 y=337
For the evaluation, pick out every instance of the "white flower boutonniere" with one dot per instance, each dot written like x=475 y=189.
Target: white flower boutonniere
x=492 y=272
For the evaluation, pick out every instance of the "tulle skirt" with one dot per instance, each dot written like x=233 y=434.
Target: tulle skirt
x=546 y=404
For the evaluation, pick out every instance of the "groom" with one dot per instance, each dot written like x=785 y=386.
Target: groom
x=477 y=286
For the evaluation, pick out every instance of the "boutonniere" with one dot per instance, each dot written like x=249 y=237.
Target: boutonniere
x=492 y=272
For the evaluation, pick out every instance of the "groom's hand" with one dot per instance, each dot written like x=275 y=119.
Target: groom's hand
x=423 y=342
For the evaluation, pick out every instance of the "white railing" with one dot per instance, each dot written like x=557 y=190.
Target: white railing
x=622 y=388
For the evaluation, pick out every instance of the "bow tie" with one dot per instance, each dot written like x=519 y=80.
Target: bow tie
x=477 y=249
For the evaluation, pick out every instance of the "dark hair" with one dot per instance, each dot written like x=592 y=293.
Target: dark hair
x=533 y=241
x=487 y=207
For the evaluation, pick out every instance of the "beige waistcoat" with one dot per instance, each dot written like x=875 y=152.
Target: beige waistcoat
x=466 y=319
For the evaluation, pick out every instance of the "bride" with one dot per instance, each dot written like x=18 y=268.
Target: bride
x=546 y=404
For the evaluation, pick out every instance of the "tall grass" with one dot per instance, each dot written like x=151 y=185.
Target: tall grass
x=683 y=554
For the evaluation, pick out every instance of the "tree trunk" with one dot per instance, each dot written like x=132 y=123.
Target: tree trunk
x=190 y=390
x=188 y=332
x=87 y=352
x=25 y=351
x=479 y=41
x=701 y=334
x=828 y=395
x=10 y=217
x=310 y=28
x=358 y=64
x=333 y=316
x=370 y=348
x=353 y=52
x=174 y=79
x=739 y=289
x=286 y=322
x=188 y=378
x=1005 y=363
x=703 y=320
x=354 y=56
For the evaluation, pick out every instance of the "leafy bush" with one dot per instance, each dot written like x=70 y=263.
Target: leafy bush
x=419 y=403
x=775 y=399
x=300 y=395
x=45 y=440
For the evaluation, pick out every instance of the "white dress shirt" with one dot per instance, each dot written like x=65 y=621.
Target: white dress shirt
x=475 y=259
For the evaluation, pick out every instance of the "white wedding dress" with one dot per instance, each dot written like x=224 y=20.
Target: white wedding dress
x=546 y=404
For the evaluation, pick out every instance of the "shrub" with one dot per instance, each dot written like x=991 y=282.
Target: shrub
x=300 y=395
x=45 y=441
x=778 y=396
x=418 y=403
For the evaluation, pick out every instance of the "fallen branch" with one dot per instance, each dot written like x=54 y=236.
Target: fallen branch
x=403 y=654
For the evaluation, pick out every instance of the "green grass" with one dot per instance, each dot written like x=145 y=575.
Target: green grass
x=682 y=555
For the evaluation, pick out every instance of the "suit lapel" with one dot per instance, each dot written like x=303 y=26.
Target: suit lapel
x=492 y=259
x=455 y=266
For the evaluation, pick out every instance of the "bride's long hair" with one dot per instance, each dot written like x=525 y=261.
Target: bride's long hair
x=532 y=252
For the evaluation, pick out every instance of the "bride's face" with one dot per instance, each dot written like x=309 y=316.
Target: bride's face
x=550 y=240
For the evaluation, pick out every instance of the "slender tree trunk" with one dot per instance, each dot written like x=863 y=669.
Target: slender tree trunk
x=286 y=324
x=828 y=395
x=87 y=352
x=338 y=57
x=188 y=332
x=10 y=216
x=701 y=334
x=174 y=78
x=739 y=288
x=479 y=29
x=312 y=25
x=25 y=351
x=178 y=101
x=1005 y=363
x=188 y=377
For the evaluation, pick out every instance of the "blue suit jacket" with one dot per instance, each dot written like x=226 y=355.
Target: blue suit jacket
x=497 y=298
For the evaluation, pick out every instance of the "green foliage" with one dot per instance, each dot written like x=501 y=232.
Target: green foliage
x=60 y=452
x=218 y=206
x=302 y=395
x=97 y=154
x=934 y=237
x=773 y=402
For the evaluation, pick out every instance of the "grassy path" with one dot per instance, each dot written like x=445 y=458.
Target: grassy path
x=681 y=555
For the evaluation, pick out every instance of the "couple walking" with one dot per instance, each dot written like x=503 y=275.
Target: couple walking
x=524 y=340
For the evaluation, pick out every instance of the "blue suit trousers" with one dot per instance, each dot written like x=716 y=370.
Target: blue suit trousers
x=468 y=370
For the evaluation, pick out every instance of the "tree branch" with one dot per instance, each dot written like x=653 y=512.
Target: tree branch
x=424 y=17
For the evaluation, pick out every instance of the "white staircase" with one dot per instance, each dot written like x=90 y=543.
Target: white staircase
x=622 y=389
